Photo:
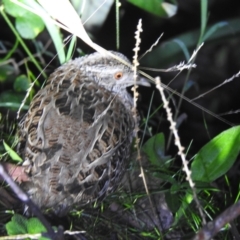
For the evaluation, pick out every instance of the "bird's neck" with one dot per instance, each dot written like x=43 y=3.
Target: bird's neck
x=125 y=98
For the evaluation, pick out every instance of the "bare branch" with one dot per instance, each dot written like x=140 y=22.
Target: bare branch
x=212 y=228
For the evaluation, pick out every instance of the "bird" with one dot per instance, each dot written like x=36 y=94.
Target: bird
x=76 y=135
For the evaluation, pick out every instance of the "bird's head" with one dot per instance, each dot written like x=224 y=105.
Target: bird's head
x=110 y=73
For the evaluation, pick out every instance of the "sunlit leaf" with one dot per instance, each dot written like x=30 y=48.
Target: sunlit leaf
x=13 y=9
x=29 y=26
x=35 y=226
x=14 y=156
x=17 y=225
x=217 y=156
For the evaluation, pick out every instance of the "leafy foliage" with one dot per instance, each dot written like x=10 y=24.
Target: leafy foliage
x=155 y=150
x=14 y=156
x=217 y=156
x=20 y=225
x=160 y=8
x=28 y=24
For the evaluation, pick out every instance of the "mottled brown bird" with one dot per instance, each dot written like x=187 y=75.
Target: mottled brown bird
x=76 y=135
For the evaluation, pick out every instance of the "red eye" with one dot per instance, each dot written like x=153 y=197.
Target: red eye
x=118 y=75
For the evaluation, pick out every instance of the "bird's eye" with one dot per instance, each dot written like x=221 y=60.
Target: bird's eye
x=118 y=75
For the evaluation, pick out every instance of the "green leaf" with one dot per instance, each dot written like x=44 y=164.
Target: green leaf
x=35 y=226
x=7 y=73
x=170 y=51
x=13 y=9
x=185 y=202
x=217 y=156
x=175 y=188
x=21 y=225
x=165 y=177
x=10 y=98
x=173 y=201
x=214 y=29
x=14 y=156
x=17 y=225
x=53 y=30
x=160 y=8
x=204 y=9
x=21 y=84
x=71 y=48
x=154 y=148
x=29 y=26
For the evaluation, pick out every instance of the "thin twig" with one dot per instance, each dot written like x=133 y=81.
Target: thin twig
x=151 y=48
x=218 y=86
x=135 y=95
x=151 y=79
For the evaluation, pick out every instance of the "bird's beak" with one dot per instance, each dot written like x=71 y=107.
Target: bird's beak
x=143 y=81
